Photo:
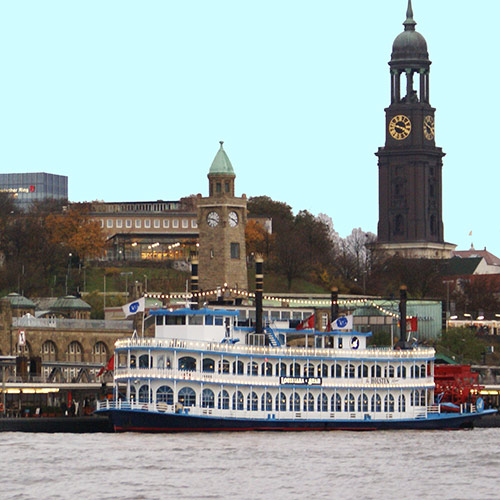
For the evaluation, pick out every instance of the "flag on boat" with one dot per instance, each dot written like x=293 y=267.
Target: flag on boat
x=343 y=323
x=133 y=307
x=306 y=324
x=109 y=367
x=411 y=324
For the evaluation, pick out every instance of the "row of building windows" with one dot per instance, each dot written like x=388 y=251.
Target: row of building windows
x=294 y=369
x=281 y=402
x=147 y=223
x=74 y=351
x=161 y=206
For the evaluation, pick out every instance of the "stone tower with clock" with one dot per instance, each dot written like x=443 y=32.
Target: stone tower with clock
x=410 y=163
x=222 y=221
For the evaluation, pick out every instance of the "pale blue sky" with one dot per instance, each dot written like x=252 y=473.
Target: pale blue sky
x=130 y=98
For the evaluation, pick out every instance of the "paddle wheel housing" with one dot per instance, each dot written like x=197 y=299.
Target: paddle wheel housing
x=456 y=384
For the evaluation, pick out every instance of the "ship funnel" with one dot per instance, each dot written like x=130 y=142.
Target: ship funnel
x=259 y=288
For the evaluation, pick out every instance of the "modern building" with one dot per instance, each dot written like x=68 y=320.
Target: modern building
x=30 y=187
x=410 y=181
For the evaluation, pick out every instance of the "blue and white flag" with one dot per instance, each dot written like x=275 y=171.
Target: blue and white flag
x=343 y=323
x=133 y=307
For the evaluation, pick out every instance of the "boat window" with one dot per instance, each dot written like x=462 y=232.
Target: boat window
x=323 y=402
x=422 y=371
x=238 y=367
x=376 y=403
x=401 y=372
x=187 y=363
x=389 y=371
x=349 y=371
x=376 y=371
x=309 y=370
x=133 y=361
x=362 y=371
x=281 y=369
x=362 y=402
x=294 y=402
x=340 y=343
x=223 y=400
x=285 y=315
x=296 y=315
x=294 y=370
x=175 y=320
x=267 y=402
x=224 y=366
x=132 y=393
x=165 y=394
x=196 y=319
x=309 y=402
x=389 y=403
x=219 y=320
x=209 y=320
x=145 y=361
x=159 y=320
x=322 y=370
x=238 y=401
x=145 y=394
x=252 y=402
x=401 y=403
x=207 y=399
x=422 y=398
x=208 y=365
x=252 y=368
x=336 y=370
x=414 y=399
x=336 y=403
x=267 y=369
x=187 y=397
x=281 y=401
x=349 y=402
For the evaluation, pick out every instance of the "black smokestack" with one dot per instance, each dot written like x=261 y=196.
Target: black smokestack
x=194 y=281
x=259 y=288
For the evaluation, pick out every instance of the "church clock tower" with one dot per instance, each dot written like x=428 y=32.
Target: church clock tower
x=222 y=220
x=410 y=164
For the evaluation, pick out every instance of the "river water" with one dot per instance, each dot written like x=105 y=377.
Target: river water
x=310 y=465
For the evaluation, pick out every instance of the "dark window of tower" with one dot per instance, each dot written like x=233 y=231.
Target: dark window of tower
x=235 y=250
x=433 y=224
x=431 y=190
x=226 y=186
x=218 y=187
x=398 y=224
x=211 y=189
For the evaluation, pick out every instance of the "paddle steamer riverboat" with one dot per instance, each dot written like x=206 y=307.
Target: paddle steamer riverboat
x=203 y=372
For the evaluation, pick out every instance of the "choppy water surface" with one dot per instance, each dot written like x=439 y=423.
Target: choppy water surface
x=380 y=465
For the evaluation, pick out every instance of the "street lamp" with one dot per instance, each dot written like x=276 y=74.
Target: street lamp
x=67 y=274
x=126 y=274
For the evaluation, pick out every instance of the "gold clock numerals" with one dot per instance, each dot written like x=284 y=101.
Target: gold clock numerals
x=400 y=127
x=429 y=127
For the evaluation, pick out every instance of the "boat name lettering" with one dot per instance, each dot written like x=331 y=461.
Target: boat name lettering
x=380 y=380
x=301 y=380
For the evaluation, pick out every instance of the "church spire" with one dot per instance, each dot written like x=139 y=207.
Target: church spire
x=410 y=23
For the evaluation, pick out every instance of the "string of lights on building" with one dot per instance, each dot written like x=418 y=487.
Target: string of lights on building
x=270 y=298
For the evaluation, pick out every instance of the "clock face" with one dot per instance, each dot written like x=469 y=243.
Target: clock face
x=400 y=127
x=233 y=219
x=429 y=127
x=213 y=219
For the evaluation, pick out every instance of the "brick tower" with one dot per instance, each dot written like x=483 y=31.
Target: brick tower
x=221 y=220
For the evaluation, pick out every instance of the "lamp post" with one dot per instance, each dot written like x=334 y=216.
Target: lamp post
x=126 y=274
x=67 y=274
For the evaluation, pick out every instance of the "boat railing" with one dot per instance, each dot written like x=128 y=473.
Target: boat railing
x=218 y=347
x=259 y=380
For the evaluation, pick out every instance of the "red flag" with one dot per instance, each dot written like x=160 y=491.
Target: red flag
x=109 y=367
x=307 y=323
x=412 y=325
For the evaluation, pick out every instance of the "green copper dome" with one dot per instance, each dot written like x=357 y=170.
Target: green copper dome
x=18 y=301
x=221 y=163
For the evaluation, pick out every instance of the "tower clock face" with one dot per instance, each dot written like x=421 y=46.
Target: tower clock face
x=233 y=219
x=400 y=127
x=429 y=127
x=213 y=219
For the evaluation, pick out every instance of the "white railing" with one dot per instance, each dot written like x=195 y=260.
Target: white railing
x=412 y=413
x=75 y=324
x=122 y=374
x=216 y=347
